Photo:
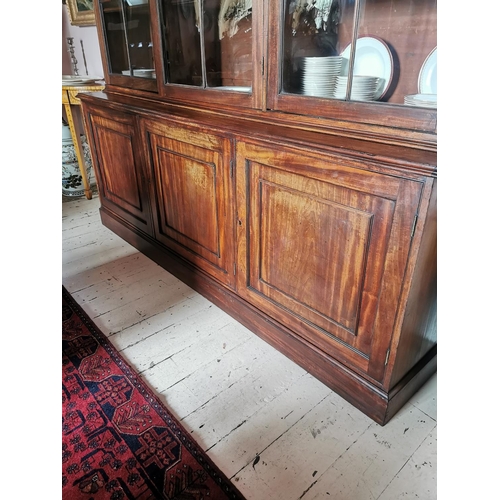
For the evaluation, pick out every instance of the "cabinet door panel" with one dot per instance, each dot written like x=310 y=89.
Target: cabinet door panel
x=319 y=253
x=188 y=182
x=119 y=169
x=193 y=212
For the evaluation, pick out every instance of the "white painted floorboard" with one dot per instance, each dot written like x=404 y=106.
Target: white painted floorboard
x=273 y=429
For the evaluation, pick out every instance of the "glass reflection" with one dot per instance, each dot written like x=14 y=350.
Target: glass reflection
x=127 y=27
x=387 y=50
x=211 y=50
x=311 y=30
x=182 y=41
x=228 y=43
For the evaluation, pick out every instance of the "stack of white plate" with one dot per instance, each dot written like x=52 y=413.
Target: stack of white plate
x=421 y=100
x=321 y=64
x=318 y=74
x=363 y=88
x=141 y=73
x=427 y=84
x=70 y=80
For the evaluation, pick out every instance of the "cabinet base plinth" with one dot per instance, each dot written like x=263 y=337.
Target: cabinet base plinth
x=373 y=401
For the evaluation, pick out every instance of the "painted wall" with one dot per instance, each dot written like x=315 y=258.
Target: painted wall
x=88 y=35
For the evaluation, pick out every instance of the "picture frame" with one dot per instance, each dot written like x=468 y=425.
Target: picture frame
x=81 y=12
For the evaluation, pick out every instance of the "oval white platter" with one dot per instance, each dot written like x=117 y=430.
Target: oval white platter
x=373 y=58
x=427 y=78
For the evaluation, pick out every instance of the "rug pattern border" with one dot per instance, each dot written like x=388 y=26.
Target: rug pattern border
x=193 y=447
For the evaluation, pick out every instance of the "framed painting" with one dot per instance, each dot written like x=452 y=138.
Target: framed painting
x=81 y=12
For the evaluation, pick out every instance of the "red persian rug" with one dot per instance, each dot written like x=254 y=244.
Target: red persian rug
x=118 y=440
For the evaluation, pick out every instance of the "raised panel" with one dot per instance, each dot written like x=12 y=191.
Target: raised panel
x=120 y=180
x=318 y=253
x=118 y=168
x=189 y=188
x=194 y=202
x=318 y=243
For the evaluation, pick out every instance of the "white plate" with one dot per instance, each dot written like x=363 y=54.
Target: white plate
x=321 y=60
x=427 y=78
x=353 y=94
x=322 y=71
x=80 y=80
x=373 y=58
x=141 y=73
x=422 y=97
x=235 y=88
x=322 y=76
x=421 y=100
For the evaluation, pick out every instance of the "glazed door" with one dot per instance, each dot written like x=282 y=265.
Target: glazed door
x=126 y=40
x=212 y=51
x=369 y=61
x=193 y=211
x=322 y=248
x=119 y=166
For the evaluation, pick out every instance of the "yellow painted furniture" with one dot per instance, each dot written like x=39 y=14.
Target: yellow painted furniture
x=70 y=100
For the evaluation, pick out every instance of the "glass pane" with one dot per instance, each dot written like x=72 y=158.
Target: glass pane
x=312 y=37
x=127 y=27
x=182 y=43
x=394 y=41
x=228 y=43
x=395 y=58
x=112 y=16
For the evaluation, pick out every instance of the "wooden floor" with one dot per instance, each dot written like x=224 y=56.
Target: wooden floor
x=272 y=428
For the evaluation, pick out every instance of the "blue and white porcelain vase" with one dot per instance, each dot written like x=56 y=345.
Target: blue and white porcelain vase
x=72 y=183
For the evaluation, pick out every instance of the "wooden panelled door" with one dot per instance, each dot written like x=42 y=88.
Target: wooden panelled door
x=322 y=248
x=119 y=167
x=194 y=207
